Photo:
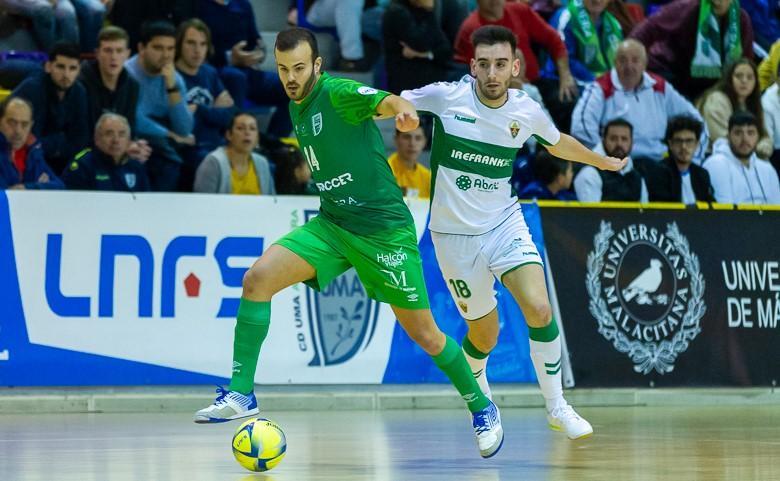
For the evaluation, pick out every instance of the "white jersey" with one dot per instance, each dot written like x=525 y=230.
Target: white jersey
x=474 y=147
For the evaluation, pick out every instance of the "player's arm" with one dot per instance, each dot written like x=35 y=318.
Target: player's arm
x=405 y=113
x=569 y=148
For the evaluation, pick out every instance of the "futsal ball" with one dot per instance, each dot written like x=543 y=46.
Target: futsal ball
x=259 y=444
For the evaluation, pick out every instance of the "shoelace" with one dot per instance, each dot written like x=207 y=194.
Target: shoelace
x=483 y=422
x=221 y=395
x=565 y=412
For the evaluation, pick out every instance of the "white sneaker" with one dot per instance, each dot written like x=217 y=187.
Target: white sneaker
x=565 y=418
x=229 y=405
x=487 y=428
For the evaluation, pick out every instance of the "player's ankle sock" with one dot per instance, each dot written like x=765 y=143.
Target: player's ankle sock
x=546 y=356
x=453 y=363
x=251 y=328
x=478 y=363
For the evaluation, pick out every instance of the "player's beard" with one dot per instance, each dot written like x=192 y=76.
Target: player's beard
x=493 y=96
x=307 y=87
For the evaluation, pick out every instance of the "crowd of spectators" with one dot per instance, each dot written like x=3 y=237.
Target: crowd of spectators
x=137 y=95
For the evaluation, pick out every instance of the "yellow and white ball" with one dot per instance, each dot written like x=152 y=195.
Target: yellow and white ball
x=259 y=444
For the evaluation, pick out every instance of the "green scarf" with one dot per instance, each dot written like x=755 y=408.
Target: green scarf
x=589 y=42
x=707 y=62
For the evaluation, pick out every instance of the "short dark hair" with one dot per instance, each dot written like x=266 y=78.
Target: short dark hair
x=111 y=33
x=682 y=122
x=493 y=34
x=290 y=38
x=7 y=101
x=240 y=113
x=618 y=122
x=64 y=49
x=743 y=117
x=156 y=28
x=198 y=25
x=547 y=167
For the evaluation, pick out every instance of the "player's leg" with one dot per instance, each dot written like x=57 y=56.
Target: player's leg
x=478 y=342
x=390 y=267
x=470 y=282
x=289 y=261
x=527 y=285
x=447 y=355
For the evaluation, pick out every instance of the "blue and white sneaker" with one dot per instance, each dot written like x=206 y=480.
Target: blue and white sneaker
x=487 y=428
x=228 y=406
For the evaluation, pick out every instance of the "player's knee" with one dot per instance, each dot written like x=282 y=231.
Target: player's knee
x=430 y=340
x=539 y=314
x=254 y=279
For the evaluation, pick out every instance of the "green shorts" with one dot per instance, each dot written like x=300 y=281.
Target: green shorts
x=388 y=262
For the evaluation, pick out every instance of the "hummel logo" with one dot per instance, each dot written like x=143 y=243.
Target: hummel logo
x=468 y=120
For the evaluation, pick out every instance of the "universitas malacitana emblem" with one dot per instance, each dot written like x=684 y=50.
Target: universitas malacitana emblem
x=646 y=293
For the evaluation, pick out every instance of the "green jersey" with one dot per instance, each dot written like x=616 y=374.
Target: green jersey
x=346 y=154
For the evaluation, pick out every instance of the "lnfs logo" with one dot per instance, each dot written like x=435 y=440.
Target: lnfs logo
x=342 y=318
x=136 y=246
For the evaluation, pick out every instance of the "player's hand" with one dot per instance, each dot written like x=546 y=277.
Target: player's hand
x=612 y=163
x=406 y=121
x=169 y=74
x=139 y=150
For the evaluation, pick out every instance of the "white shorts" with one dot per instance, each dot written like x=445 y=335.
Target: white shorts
x=470 y=263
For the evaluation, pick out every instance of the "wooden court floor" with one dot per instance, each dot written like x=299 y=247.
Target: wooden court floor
x=733 y=443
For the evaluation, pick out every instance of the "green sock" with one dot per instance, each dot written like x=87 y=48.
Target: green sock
x=251 y=328
x=454 y=365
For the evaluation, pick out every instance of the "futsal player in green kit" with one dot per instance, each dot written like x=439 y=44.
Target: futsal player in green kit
x=363 y=223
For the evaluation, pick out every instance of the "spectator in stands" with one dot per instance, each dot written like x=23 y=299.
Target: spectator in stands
x=52 y=20
x=641 y=98
x=592 y=36
x=530 y=29
x=738 y=176
x=206 y=97
x=770 y=102
x=236 y=168
x=553 y=179
x=292 y=175
x=59 y=105
x=22 y=164
x=767 y=69
x=345 y=16
x=678 y=179
x=413 y=177
x=737 y=90
x=110 y=88
x=691 y=42
x=132 y=14
x=417 y=51
x=594 y=185
x=108 y=166
x=162 y=116
x=238 y=51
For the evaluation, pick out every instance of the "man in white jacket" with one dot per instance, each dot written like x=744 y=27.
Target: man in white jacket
x=737 y=175
x=644 y=99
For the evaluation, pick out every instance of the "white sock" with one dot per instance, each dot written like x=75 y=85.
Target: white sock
x=546 y=357
x=479 y=369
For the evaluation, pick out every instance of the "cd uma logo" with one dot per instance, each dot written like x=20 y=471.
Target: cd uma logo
x=646 y=292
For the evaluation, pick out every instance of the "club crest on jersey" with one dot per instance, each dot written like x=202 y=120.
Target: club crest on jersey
x=130 y=179
x=514 y=128
x=316 y=123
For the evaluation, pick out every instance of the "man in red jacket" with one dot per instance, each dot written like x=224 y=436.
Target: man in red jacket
x=22 y=165
x=529 y=28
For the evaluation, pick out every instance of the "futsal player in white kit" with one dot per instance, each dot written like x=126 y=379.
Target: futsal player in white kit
x=476 y=224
